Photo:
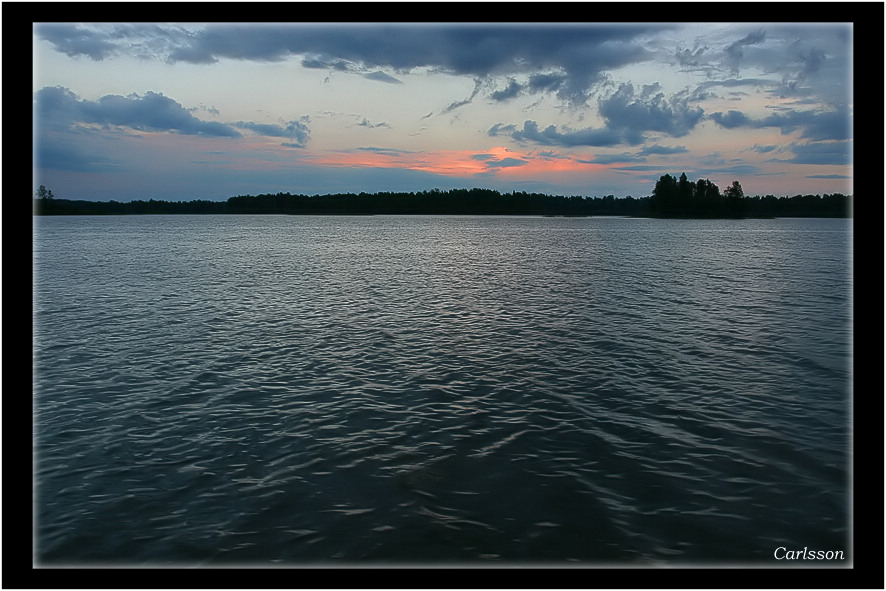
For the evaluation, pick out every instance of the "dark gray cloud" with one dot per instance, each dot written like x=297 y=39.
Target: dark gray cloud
x=735 y=50
x=797 y=59
x=76 y=41
x=492 y=161
x=639 y=156
x=380 y=76
x=513 y=89
x=325 y=64
x=387 y=151
x=649 y=110
x=478 y=84
x=297 y=132
x=455 y=105
x=731 y=119
x=150 y=112
x=107 y=40
x=537 y=83
x=703 y=90
x=366 y=123
x=546 y=82
x=66 y=140
x=552 y=155
x=506 y=163
x=60 y=109
x=551 y=136
x=764 y=149
x=814 y=125
x=831 y=153
x=502 y=129
x=692 y=59
x=465 y=49
x=575 y=56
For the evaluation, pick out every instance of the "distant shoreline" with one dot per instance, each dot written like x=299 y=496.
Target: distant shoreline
x=454 y=202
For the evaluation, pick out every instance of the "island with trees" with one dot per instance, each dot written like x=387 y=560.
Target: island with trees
x=671 y=198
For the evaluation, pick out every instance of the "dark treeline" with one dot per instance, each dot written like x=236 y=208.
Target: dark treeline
x=681 y=197
x=434 y=202
x=704 y=200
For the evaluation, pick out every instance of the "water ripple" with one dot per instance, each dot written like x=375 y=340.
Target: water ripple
x=297 y=390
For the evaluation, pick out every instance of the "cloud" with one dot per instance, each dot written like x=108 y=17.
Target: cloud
x=546 y=82
x=380 y=76
x=365 y=123
x=574 y=56
x=794 y=59
x=502 y=129
x=552 y=155
x=639 y=156
x=60 y=109
x=537 y=83
x=764 y=149
x=649 y=110
x=74 y=41
x=831 y=153
x=506 y=163
x=735 y=51
x=551 y=136
x=512 y=90
x=150 y=112
x=691 y=59
x=297 y=132
x=385 y=151
x=325 y=64
x=814 y=125
x=493 y=161
x=478 y=84
x=702 y=91
x=102 y=41
x=731 y=119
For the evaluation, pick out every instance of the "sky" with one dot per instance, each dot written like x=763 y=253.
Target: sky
x=185 y=111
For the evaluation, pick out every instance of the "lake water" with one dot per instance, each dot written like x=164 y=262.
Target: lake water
x=283 y=390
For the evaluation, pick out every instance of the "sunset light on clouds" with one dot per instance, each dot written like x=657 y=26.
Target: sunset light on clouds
x=182 y=111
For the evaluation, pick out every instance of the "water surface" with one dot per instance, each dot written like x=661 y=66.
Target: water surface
x=427 y=390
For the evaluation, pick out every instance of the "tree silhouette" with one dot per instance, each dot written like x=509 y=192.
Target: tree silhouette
x=683 y=198
x=684 y=195
x=707 y=198
x=734 y=205
x=43 y=193
x=664 y=196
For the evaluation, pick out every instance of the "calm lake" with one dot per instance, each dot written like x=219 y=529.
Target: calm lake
x=288 y=390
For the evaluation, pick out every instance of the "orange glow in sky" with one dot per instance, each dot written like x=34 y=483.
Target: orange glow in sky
x=497 y=160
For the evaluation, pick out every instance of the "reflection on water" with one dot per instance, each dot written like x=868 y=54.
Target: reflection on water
x=225 y=389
